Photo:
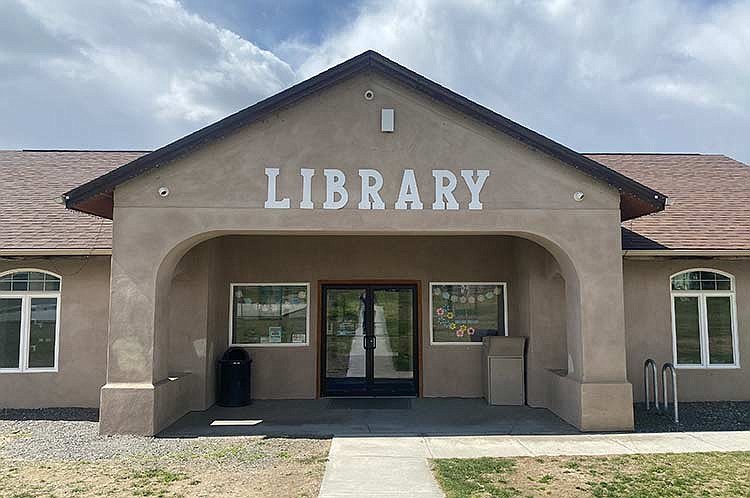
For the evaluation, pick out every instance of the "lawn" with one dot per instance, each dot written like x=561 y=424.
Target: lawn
x=138 y=467
x=725 y=475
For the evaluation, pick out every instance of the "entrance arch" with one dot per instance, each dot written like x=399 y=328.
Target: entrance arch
x=587 y=392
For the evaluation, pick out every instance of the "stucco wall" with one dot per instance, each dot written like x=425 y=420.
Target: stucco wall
x=447 y=370
x=220 y=189
x=541 y=299
x=648 y=324
x=84 y=313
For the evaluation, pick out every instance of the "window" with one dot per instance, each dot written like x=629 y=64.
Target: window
x=464 y=313
x=29 y=321
x=269 y=315
x=703 y=319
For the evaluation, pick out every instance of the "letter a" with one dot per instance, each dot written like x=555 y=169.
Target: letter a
x=409 y=192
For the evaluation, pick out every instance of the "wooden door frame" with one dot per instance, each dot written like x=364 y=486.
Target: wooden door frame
x=319 y=325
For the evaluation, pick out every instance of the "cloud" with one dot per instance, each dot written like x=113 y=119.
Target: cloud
x=597 y=76
x=136 y=73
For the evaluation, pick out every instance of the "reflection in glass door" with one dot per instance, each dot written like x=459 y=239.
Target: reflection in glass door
x=369 y=340
x=344 y=336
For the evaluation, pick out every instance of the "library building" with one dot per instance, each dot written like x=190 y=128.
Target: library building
x=370 y=233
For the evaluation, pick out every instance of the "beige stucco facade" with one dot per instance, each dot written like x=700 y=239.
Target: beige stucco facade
x=648 y=324
x=448 y=370
x=199 y=318
x=220 y=190
x=143 y=346
x=151 y=344
x=141 y=331
x=84 y=316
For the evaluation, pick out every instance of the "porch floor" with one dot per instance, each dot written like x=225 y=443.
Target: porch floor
x=334 y=417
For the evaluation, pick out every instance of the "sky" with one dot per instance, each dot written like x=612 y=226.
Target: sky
x=595 y=75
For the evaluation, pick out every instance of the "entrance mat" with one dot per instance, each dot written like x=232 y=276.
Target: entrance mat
x=369 y=403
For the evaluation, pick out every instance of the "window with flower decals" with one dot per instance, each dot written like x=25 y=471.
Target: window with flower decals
x=466 y=312
x=269 y=315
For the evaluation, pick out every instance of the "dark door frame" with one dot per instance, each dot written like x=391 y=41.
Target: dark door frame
x=373 y=284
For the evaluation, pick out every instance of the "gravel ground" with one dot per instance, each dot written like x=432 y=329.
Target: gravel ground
x=59 y=453
x=707 y=416
x=73 y=434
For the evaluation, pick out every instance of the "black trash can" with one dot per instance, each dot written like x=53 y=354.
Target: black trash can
x=233 y=377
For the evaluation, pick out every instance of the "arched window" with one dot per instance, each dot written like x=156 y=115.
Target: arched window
x=29 y=321
x=704 y=323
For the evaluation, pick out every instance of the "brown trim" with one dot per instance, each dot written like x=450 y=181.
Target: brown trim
x=319 y=334
x=420 y=358
x=319 y=340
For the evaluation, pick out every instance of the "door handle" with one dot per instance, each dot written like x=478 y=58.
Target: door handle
x=369 y=342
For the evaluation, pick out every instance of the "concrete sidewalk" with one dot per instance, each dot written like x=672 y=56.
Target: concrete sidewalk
x=398 y=466
x=387 y=467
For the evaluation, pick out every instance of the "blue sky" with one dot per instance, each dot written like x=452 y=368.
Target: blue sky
x=596 y=75
x=268 y=23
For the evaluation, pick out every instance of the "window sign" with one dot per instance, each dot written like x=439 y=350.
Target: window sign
x=464 y=313
x=269 y=314
x=274 y=334
x=703 y=320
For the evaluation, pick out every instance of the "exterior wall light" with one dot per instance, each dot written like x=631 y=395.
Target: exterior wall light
x=163 y=191
x=369 y=94
x=578 y=196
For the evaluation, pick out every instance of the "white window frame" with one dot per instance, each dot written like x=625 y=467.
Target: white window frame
x=705 y=363
x=270 y=344
x=26 y=297
x=504 y=285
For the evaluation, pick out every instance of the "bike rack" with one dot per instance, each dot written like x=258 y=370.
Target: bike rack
x=670 y=367
x=652 y=364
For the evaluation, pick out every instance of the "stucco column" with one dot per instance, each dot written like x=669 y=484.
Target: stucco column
x=595 y=394
x=139 y=396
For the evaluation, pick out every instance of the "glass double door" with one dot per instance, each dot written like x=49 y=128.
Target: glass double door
x=369 y=340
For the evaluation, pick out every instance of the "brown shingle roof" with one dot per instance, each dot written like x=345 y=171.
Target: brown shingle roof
x=708 y=200
x=708 y=205
x=30 y=181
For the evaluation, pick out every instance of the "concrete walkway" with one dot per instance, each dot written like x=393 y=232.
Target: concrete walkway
x=321 y=417
x=397 y=466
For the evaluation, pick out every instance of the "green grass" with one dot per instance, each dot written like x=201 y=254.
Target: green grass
x=465 y=478
x=709 y=475
x=158 y=475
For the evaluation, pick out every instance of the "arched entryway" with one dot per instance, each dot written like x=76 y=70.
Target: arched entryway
x=195 y=294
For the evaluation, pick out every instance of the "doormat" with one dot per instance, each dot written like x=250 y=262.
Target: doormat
x=369 y=403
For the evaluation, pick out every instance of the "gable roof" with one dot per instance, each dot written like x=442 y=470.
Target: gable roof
x=708 y=201
x=95 y=196
x=32 y=220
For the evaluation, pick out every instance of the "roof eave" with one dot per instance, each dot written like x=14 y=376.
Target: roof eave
x=652 y=200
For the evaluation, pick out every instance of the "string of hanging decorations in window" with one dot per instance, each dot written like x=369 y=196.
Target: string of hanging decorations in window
x=455 y=306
